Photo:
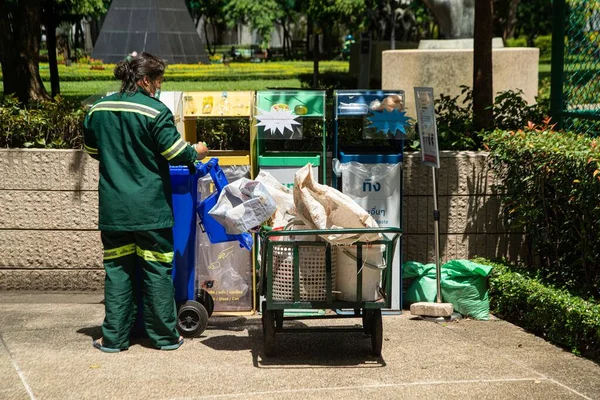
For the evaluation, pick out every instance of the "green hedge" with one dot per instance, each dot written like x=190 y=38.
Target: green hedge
x=544 y=43
x=96 y=71
x=551 y=184
x=53 y=125
x=555 y=315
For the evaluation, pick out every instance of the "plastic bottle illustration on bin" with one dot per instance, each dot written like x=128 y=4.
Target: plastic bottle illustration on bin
x=368 y=167
x=285 y=121
x=223 y=268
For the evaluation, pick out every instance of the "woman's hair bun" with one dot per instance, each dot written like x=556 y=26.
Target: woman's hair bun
x=123 y=70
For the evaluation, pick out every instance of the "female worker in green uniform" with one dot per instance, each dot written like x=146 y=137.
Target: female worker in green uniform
x=133 y=136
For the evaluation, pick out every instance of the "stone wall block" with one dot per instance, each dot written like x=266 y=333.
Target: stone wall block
x=89 y=209
x=493 y=214
x=421 y=209
x=457 y=215
x=480 y=245
x=412 y=213
x=49 y=280
x=444 y=207
x=407 y=173
x=463 y=243
x=45 y=249
x=452 y=176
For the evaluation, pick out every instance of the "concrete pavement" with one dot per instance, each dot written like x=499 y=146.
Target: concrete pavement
x=46 y=353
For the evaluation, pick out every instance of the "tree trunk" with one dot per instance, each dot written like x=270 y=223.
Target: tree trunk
x=482 y=65
x=511 y=20
x=393 y=25
x=210 y=51
x=19 y=50
x=309 y=32
x=50 y=23
x=94 y=30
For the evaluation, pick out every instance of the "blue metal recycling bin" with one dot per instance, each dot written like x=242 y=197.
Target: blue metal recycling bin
x=369 y=160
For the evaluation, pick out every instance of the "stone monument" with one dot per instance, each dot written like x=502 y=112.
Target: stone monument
x=455 y=18
x=447 y=64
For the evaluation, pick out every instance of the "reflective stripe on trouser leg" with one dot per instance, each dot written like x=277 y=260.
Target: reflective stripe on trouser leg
x=119 y=288
x=155 y=254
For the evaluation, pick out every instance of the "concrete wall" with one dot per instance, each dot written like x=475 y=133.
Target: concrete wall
x=48 y=217
x=446 y=70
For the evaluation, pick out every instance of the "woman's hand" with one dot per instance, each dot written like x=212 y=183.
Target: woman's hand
x=201 y=149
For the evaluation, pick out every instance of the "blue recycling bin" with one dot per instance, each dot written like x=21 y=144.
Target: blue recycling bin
x=369 y=160
x=195 y=305
x=184 y=186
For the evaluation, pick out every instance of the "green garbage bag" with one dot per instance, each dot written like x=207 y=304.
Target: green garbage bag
x=424 y=286
x=463 y=284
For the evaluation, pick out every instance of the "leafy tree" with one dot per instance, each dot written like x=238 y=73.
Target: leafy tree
x=71 y=11
x=20 y=33
x=259 y=15
x=214 y=15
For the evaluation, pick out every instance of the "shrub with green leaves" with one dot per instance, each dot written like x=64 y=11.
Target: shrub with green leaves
x=556 y=315
x=54 y=125
x=454 y=117
x=551 y=185
x=544 y=43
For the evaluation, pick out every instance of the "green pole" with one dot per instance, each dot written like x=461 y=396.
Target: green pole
x=559 y=13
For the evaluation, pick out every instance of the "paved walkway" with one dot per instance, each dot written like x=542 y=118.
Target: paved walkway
x=46 y=353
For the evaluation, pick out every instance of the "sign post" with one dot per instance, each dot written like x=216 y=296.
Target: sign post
x=430 y=156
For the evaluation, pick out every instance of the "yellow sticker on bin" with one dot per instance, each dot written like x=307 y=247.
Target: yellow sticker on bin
x=218 y=104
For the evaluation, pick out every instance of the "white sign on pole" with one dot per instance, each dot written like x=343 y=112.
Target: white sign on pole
x=430 y=154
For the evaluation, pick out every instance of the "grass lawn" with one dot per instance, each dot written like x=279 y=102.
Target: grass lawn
x=78 y=91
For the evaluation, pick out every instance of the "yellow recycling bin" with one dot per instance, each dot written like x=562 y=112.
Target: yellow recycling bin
x=224 y=270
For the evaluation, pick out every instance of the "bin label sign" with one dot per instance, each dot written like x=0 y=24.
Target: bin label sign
x=389 y=122
x=277 y=120
x=430 y=154
x=371 y=187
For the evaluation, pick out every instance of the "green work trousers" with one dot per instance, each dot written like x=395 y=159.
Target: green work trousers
x=152 y=251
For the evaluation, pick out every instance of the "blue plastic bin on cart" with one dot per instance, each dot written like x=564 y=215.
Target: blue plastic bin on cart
x=184 y=186
x=195 y=305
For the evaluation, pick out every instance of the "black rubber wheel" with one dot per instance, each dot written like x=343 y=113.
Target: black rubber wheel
x=192 y=319
x=367 y=316
x=268 y=322
x=204 y=298
x=376 y=333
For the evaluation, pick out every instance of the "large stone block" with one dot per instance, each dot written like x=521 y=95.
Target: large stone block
x=29 y=209
x=43 y=249
x=52 y=280
x=447 y=70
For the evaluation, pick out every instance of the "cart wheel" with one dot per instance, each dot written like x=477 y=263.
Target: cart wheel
x=376 y=333
x=204 y=298
x=279 y=319
x=367 y=317
x=268 y=322
x=192 y=319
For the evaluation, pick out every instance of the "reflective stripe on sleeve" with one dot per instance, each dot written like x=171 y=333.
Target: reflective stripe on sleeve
x=119 y=251
x=90 y=150
x=149 y=255
x=172 y=151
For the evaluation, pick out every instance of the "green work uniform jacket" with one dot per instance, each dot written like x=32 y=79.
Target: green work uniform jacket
x=133 y=136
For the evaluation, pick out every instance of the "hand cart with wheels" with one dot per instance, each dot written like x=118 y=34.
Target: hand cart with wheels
x=300 y=257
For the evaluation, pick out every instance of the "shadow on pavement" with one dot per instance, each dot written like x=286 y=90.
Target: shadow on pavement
x=297 y=350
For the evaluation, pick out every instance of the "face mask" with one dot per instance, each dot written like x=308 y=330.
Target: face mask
x=157 y=94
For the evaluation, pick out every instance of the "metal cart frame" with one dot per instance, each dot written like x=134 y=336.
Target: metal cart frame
x=369 y=311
